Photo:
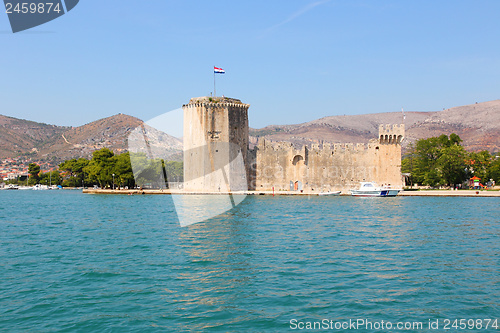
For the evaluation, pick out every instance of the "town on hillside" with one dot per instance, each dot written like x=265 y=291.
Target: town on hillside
x=16 y=168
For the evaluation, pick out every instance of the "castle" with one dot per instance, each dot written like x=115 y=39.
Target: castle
x=217 y=157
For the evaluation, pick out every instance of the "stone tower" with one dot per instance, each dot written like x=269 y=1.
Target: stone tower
x=215 y=144
x=391 y=133
x=388 y=159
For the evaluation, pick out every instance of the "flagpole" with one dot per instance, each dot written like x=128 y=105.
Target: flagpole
x=215 y=94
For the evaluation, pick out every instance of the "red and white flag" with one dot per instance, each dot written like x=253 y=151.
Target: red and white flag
x=218 y=70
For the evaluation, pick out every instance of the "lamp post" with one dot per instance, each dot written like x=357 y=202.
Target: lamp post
x=113 y=181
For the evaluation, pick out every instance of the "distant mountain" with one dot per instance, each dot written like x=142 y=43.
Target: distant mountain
x=58 y=143
x=110 y=132
x=19 y=137
x=477 y=124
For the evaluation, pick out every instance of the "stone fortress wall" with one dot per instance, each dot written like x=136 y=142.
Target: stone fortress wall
x=217 y=157
x=325 y=167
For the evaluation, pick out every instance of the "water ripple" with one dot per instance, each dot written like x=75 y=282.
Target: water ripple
x=122 y=263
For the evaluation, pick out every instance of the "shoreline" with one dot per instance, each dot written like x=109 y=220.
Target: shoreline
x=419 y=193
x=450 y=193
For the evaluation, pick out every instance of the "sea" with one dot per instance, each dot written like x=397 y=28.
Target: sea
x=74 y=262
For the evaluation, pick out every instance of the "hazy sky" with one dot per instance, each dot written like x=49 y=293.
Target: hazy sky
x=292 y=60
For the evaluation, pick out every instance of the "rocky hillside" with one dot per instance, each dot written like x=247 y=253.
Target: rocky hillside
x=79 y=141
x=18 y=136
x=477 y=124
x=58 y=143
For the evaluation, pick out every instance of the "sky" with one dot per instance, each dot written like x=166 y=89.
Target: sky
x=293 y=61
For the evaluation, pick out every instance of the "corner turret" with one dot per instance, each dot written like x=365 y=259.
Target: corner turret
x=391 y=134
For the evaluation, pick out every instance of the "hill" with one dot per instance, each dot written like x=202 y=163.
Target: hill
x=110 y=132
x=477 y=124
x=24 y=137
x=20 y=137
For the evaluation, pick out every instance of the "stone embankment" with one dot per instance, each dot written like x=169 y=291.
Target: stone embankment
x=450 y=193
x=420 y=193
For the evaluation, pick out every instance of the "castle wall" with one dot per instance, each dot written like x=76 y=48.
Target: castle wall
x=330 y=167
x=217 y=159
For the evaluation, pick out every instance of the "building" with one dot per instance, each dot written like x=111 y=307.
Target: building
x=330 y=166
x=217 y=157
x=215 y=144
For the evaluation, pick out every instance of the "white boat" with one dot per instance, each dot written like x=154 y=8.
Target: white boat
x=25 y=187
x=370 y=189
x=11 y=187
x=335 y=193
x=39 y=187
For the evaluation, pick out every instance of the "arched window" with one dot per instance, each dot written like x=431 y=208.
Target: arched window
x=297 y=159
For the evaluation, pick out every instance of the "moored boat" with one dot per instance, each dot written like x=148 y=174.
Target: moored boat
x=332 y=193
x=371 y=189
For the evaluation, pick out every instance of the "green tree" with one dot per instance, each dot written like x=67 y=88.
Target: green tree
x=148 y=172
x=427 y=152
x=455 y=139
x=433 y=178
x=494 y=170
x=151 y=175
x=75 y=170
x=68 y=166
x=104 y=163
x=452 y=165
x=478 y=165
x=174 y=171
x=34 y=171
x=51 y=178
x=124 y=175
x=436 y=161
x=100 y=168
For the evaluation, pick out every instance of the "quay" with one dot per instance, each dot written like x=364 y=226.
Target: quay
x=182 y=192
x=419 y=193
x=450 y=193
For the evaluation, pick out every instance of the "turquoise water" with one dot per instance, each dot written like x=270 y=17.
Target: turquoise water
x=72 y=262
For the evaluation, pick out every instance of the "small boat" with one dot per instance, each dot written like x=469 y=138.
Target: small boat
x=39 y=187
x=334 y=193
x=370 y=189
x=11 y=187
x=25 y=187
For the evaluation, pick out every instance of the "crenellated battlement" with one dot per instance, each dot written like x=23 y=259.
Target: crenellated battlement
x=215 y=102
x=274 y=145
x=391 y=134
x=216 y=105
x=283 y=147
